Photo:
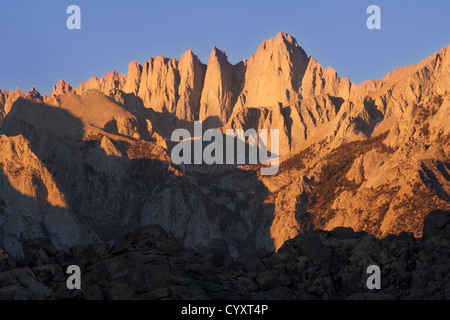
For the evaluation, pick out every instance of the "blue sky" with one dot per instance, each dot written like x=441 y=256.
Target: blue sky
x=37 y=49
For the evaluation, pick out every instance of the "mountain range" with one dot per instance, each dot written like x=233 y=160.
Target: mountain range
x=87 y=164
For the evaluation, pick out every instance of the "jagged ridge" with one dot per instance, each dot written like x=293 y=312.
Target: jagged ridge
x=108 y=133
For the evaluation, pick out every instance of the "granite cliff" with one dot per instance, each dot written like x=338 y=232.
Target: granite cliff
x=86 y=164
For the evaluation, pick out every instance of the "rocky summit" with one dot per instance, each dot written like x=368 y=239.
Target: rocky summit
x=83 y=165
x=152 y=264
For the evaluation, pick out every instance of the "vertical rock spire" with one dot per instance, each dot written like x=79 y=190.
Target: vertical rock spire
x=192 y=75
x=217 y=97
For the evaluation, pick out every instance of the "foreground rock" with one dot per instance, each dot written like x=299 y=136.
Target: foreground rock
x=151 y=264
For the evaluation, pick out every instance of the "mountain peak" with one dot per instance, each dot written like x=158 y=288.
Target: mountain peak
x=286 y=37
x=219 y=55
x=273 y=73
x=282 y=39
x=188 y=53
x=62 y=87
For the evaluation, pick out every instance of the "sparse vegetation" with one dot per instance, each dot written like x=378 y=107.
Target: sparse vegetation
x=93 y=137
x=425 y=129
x=14 y=170
x=145 y=150
x=438 y=100
x=412 y=210
x=296 y=162
x=332 y=178
x=140 y=150
x=426 y=111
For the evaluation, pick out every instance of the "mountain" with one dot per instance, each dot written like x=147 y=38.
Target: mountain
x=95 y=160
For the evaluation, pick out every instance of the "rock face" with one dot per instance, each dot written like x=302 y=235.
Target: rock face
x=31 y=204
x=106 y=84
x=219 y=91
x=163 y=85
x=274 y=74
x=62 y=87
x=373 y=157
x=318 y=81
x=192 y=75
x=151 y=264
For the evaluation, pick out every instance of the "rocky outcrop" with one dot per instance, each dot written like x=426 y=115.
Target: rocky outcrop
x=31 y=204
x=319 y=81
x=222 y=81
x=151 y=264
x=133 y=78
x=8 y=98
x=106 y=84
x=62 y=87
x=162 y=84
x=192 y=75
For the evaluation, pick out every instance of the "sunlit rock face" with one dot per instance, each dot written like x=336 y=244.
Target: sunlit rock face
x=88 y=163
